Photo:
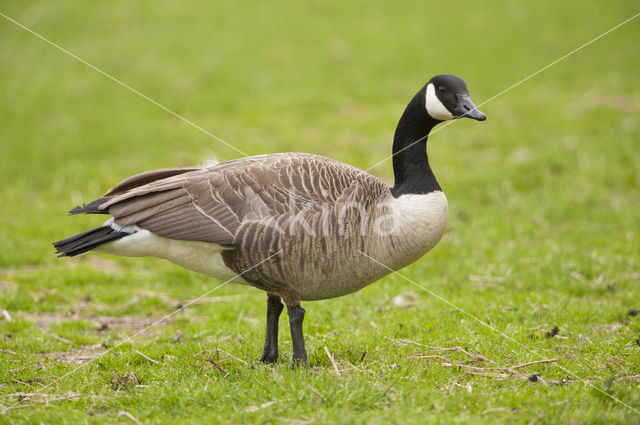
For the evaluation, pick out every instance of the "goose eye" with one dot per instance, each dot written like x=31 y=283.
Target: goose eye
x=442 y=89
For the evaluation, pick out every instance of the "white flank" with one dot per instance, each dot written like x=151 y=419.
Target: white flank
x=118 y=228
x=435 y=108
x=201 y=257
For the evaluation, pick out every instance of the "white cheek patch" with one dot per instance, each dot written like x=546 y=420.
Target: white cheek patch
x=435 y=108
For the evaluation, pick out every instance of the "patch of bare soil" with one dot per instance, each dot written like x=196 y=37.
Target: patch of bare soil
x=134 y=325
x=102 y=323
x=77 y=355
x=5 y=285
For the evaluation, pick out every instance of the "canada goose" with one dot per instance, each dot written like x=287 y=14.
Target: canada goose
x=295 y=225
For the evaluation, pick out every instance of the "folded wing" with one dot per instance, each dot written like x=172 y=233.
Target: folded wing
x=211 y=204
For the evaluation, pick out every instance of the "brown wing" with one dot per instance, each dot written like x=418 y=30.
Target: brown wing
x=210 y=204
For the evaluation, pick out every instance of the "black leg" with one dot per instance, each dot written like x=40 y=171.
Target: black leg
x=274 y=308
x=296 y=316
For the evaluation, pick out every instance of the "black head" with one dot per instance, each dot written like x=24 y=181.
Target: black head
x=446 y=97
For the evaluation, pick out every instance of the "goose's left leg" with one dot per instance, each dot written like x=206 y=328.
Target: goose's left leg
x=296 y=316
x=274 y=308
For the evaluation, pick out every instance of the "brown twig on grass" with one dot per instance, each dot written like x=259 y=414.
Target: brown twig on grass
x=316 y=392
x=217 y=366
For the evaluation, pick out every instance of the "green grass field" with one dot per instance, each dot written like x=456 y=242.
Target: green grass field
x=544 y=199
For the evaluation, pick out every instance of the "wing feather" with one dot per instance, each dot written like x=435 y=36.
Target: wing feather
x=145 y=178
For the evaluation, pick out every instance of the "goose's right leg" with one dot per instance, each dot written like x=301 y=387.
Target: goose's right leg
x=296 y=317
x=274 y=308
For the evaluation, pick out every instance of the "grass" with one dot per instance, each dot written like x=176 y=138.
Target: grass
x=543 y=230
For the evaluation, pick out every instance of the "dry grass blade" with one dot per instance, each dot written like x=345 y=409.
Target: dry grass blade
x=6 y=315
x=532 y=363
x=234 y=358
x=61 y=339
x=23 y=394
x=333 y=362
x=496 y=375
x=130 y=416
x=146 y=357
x=263 y=405
x=424 y=356
x=499 y=409
x=37 y=403
x=471 y=354
x=405 y=342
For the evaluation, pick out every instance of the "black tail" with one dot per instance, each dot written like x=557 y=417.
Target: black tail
x=85 y=241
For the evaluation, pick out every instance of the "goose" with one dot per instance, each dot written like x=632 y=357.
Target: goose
x=298 y=226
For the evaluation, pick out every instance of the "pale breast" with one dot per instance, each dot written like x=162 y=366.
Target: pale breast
x=419 y=223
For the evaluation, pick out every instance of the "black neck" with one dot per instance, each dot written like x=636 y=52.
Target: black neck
x=411 y=168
